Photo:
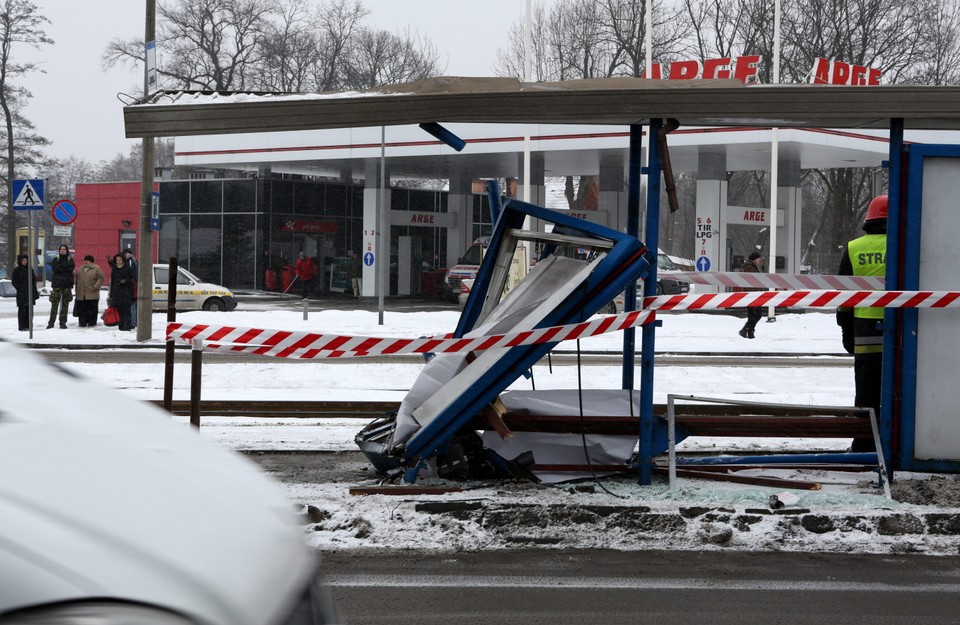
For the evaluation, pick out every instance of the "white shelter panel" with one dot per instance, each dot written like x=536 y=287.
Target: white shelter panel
x=938 y=337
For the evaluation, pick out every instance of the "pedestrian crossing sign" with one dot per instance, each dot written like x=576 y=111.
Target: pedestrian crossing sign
x=27 y=194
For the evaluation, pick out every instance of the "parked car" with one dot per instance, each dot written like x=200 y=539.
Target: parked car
x=192 y=292
x=6 y=289
x=114 y=513
x=665 y=286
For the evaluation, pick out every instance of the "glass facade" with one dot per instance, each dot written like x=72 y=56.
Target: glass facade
x=241 y=232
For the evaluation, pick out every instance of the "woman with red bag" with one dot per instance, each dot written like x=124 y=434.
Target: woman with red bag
x=122 y=281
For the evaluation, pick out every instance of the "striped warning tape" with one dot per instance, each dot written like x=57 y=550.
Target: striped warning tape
x=308 y=345
x=806 y=299
x=777 y=280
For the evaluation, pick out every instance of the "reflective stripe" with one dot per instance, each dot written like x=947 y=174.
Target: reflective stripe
x=868 y=258
x=872 y=344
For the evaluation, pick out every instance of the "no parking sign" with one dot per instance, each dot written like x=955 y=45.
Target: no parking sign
x=64 y=212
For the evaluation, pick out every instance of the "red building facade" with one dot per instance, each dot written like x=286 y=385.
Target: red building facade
x=108 y=219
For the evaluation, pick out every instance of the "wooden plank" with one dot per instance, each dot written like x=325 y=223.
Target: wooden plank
x=742 y=479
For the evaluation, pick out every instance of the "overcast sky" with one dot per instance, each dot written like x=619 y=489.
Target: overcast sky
x=75 y=102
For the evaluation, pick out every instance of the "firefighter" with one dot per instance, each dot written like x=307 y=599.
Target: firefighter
x=862 y=327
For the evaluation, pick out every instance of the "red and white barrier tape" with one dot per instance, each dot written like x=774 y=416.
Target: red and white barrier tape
x=806 y=299
x=307 y=345
x=777 y=280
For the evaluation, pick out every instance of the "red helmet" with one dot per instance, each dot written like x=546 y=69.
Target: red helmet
x=877 y=208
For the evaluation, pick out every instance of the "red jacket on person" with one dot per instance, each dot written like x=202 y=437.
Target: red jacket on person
x=306 y=269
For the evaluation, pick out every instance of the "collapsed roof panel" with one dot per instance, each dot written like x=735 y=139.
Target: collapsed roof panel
x=561 y=289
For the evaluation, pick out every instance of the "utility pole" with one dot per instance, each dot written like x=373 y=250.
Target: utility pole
x=145 y=277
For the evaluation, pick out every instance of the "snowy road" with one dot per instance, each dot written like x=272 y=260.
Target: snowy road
x=595 y=587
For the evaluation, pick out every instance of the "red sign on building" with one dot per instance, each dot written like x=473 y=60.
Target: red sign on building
x=306 y=225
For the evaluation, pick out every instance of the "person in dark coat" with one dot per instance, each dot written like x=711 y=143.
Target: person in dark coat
x=130 y=260
x=121 y=290
x=754 y=313
x=23 y=285
x=61 y=286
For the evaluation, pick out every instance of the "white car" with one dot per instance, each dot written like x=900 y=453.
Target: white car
x=111 y=513
x=192 y=292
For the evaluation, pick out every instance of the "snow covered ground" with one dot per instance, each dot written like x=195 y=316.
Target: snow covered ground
x=848 y=513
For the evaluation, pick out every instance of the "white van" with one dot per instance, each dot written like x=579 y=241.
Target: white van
x=192 y=292
x=112 y=513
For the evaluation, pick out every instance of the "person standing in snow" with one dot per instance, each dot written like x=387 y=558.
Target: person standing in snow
x=131 y=262
x=306 y=270
x=122 y=280
x=356 y=273
x=23 y=286
x=61 y=291
x=754 y=313
x=861 y=328
x=90 y=278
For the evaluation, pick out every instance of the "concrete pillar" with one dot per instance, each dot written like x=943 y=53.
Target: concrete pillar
x=789 y=199
x=370 y=252
x=710 y=250
x=538 y=190
x=460 y=203
x=613 y=191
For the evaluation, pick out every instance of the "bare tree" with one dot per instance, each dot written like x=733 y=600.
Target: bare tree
x=291 y=49
x=21 y=23
x=206 y=44
x=939 y=60
x=382 y=58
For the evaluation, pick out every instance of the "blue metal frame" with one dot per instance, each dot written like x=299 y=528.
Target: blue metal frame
x=909 y=238
x=645 y=450
x=626 y=262
x=891 y=281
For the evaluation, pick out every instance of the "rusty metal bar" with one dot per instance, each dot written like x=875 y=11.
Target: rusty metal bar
x=196 y=369
x=169 y=349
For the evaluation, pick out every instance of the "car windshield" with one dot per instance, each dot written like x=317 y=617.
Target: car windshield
x=472 y=256
x=664 y=262
x=161 y=276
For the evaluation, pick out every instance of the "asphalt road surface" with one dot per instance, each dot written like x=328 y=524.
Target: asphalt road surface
x=663 y=588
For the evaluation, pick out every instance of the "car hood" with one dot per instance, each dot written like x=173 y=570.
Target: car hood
x=105 y=496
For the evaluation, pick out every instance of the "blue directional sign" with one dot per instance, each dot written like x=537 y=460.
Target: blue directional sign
x=703 y=263
x=27 y=195
x=155 y=211
x=368 y=259
x=64 y=212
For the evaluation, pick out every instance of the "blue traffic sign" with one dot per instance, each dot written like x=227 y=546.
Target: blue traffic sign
x=703 y=263
x=64 y=212
x=368 y=259
x=27 y=195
